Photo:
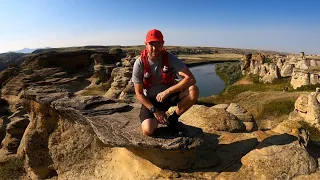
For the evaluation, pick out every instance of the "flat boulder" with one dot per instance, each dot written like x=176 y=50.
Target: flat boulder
x=212 y=119
x=116 y=124
x=123 y=129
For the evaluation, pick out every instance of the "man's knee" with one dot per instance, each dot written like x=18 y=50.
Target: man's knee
x=194 y=92
x=148 y=127
x=147 y=131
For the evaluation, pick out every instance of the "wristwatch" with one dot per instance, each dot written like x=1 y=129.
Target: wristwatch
x=152 y=110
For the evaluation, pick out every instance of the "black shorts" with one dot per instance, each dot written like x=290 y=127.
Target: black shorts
x=171 y=100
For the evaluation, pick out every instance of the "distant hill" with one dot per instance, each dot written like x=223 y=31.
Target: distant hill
x=25 y=50
x=29 y=50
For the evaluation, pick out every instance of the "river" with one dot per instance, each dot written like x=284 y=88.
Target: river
x=208 y=81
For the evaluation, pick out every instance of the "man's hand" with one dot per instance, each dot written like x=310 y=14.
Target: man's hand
x=161 y=96
x=160 y=116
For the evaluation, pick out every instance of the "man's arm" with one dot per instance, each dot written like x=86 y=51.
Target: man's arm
x=138 y=88
x=187 y=81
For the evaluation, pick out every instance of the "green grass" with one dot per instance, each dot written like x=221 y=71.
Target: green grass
x=276 y=108
x=231 y=92
x=311 y=87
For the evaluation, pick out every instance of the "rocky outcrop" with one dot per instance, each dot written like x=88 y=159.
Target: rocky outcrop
x=308 y=107
x=303 y=122
x=303 y=71
x=243 y=115
x=269 y=161
x=271 y=75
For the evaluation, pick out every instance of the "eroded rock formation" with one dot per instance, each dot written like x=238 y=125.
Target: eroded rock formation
x=302 y=70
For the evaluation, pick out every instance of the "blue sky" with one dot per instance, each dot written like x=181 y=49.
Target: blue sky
x=281 y=25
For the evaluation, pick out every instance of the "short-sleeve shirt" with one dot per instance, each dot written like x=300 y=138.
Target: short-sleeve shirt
x=157 y=86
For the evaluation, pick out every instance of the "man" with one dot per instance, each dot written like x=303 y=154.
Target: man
x=153 y=77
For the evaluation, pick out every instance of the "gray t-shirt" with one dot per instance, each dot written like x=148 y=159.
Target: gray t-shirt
x=157 y=85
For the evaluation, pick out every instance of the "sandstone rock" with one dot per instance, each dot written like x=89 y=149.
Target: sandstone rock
x=119 y=129
x=16 y=128
x=271 y=75
x=270 y=159
x=245 y=61
x=280 y=63
x=221 y=106
x=286 y=70
x=10 y=143
x=308 y=107
x=311 y=176
x=299 y=78
x=251 y=126
x=128 y=92
x=303 y=64
x=120 y=79
x=240 y=112
x=314 y=78
x=212 y=119
x=113 y=124
x=313 y=112
x=263 y=70
x=301 y=105
x=314 y=63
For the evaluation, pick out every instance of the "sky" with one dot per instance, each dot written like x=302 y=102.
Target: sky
x=279 y=25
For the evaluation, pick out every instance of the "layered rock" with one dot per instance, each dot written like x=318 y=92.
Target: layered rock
x=243 y=115
x=303 y=71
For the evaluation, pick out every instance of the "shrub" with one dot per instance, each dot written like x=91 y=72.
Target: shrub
x=310 y=87
x=268 y=60
x=229 y=72
x=313 y=131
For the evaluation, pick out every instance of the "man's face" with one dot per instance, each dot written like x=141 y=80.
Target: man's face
x=154 y=49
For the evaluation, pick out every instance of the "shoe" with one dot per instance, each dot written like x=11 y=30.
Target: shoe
x=174 y=124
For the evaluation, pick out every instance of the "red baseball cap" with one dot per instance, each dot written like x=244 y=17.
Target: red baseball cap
x=154 y=35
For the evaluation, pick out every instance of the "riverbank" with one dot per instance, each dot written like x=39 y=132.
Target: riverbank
x=200 y=59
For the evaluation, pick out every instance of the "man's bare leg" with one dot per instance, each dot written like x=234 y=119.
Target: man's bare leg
x=149 y=126
x=187 y=97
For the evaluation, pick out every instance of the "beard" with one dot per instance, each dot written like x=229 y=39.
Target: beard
x=155 y=55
